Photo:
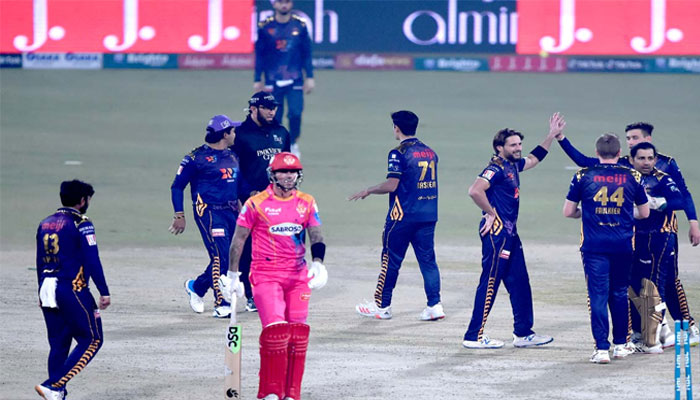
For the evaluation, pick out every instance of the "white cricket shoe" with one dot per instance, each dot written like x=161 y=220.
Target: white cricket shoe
x=655 y=349
x=667 y=337
x=623 y=350
x=531 y=340
x=600 y=357
x=484 y=342
x=221 y=312
x=196 y=302
x=271 y=397
x=433 y=313
x=693 y=335
x=369 y=309
x=49 y=394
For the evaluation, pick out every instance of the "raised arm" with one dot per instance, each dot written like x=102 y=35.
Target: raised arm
x=556 y=127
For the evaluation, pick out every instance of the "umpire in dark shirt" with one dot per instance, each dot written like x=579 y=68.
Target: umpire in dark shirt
x=259 y=138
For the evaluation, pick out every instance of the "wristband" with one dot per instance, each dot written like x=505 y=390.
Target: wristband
x=178 y=216
x=539 y=153
x=318 y=250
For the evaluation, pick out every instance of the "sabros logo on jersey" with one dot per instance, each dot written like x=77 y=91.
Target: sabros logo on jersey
x=286 y=229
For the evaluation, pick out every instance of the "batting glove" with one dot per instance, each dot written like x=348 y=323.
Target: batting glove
x=318 y=275
x=229 y=286
x=656 y=203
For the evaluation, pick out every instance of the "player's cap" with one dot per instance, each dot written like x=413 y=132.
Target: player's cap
x=265 y=99
x=285 y=161
x=220 y=123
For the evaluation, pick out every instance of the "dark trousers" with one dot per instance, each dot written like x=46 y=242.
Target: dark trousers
x=216 y=227
x=294 y=94
x=396 y=237
x=654 y=259
x=607 y=280
x=676 y=302
x=502 y=259
x=76 y=317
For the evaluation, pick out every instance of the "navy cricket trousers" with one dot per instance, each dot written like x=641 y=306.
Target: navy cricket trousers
x=216 y=225
x=654 y=259
x=396 y=237
x=676 y=301
x=607 y=280
x=76 y=317
x=502 y=259
x=295 y=102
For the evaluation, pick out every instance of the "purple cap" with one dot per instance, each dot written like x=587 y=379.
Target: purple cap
x=219 y=123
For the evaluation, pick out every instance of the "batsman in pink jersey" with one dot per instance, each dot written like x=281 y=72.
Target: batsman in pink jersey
x=278 y=219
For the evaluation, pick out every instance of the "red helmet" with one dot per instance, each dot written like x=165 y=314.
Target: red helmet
x=285 y=161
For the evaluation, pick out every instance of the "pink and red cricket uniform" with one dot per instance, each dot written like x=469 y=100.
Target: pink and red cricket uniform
x=278 y=270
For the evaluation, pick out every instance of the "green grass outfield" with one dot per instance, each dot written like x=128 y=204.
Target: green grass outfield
x=130 y=128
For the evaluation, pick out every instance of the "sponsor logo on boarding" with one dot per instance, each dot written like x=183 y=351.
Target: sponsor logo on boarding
x=92 y=241
x=10 y=61
x=62 y=60
x=218 y=232
x=286 y=229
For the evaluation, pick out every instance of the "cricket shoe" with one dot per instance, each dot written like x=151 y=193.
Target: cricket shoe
x=196 y=302
x=484 y=342
x=433 y=313
x=271 y=397
x=600 y=357
x=49 y=394
x=636 y=338
x=369 y=309
x=222 y=312
x=531 y=340
x=693 y=335
x=667 y=337
x=644 y=349
x=623 y=350
x=250 y=305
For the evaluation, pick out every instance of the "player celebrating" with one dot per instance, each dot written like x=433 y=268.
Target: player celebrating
x=607 y=193
x=654 y=258
x=676 y=302
x=277 y=219
x=412 y=184
x=496 y=191
x=283 y=54
x=66 y=259
x=212 y=172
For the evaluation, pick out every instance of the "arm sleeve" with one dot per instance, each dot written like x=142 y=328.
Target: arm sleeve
x=306 y=59
x=674 y=197
x=576 y=156
x=521 y=164
x=492 y=174
x=259 y=55
x=314 y=218
x=247 y=216
x=91 y=257
x=394 y=165
x=39 y=264
x=640 y=194
x=574 y=190
x=689 y=206
x=184 y=174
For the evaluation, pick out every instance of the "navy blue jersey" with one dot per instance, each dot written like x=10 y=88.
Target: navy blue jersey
x=416 y=198
x=607 y=193
x=659 y=184
x=255 y=146
x=66 y=248
x=664 y=163
x=503 y=193
x=283 y=51
x=213 y=177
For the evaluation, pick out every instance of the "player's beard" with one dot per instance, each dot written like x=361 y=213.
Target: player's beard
x=514 y=157
x=83 y=209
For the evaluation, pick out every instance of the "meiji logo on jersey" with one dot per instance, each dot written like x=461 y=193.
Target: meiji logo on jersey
x=92 y=241
x=505 y=254
x=488 y=174
x=273 y=211
x=286 y=229
x=218 y=232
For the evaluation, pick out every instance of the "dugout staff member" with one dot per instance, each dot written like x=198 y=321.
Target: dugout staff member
x=66 y=260
x=258 y=139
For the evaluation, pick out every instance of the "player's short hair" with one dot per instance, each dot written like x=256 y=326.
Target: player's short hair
x=501 y=136
x=645 y=127
x=642 y=146
x=608 y=146
x=72 y=192
x=407 y=121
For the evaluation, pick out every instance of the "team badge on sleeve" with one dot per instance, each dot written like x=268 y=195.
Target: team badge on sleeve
x=487 y=174
x=91 y=240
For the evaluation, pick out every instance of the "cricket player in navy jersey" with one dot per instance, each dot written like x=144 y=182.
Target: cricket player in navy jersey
x=607 y=193
x=676 y=301
x=283 y=56
x=654 y=256
x=412 y=184
x=66 y=260
x=496 y=191
x=258 y=139
x=212 y=171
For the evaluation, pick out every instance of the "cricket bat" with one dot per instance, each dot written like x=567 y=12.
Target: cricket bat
x=232 y=359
